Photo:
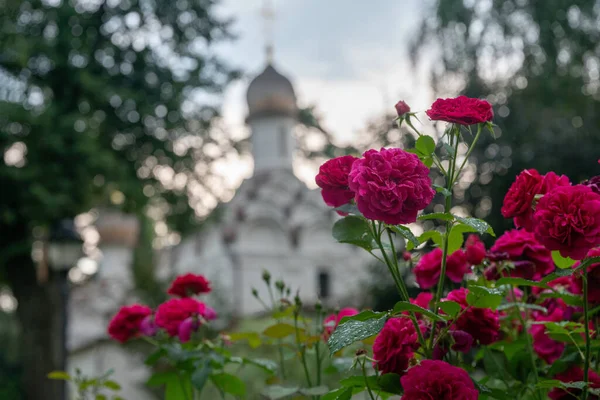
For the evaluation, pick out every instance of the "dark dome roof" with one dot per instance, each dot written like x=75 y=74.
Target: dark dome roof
x=271 y=93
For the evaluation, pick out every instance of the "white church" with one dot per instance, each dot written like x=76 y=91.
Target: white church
x=274 y=222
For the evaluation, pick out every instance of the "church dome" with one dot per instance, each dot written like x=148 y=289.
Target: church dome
x=271 y=93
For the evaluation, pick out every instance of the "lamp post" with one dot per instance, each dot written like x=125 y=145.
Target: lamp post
x=64 y=250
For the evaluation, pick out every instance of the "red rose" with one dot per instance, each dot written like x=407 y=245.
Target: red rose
x=475 y=250
x=574 y=374
x=391 y=185
x=437 y=380
x=333 y=181
x=402 y=108
x=567 y=219
x=395 y=345
x=546 y=348
x=461 y=110
x=593 y=278
x=518 y=202
x=481 y=323
x=530 y=259
x=172 y=313
x=188 y=285
x=332 y=321
x=428 y=269
x=126 y=323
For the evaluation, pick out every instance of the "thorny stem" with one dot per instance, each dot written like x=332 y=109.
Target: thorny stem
x=364 y=371
x=445 y=238
x=397 y=279
x=301 y=350
x=588 y=339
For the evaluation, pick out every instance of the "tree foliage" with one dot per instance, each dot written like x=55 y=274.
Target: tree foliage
x=539 y=65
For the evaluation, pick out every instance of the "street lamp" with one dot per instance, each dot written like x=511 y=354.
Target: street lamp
x=64 y=250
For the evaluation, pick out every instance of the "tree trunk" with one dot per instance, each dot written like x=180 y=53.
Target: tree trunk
x=40 y=313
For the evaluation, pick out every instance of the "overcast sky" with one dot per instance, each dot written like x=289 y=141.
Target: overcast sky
x=350 y=59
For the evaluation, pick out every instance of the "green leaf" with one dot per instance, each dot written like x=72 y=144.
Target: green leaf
x=338 y=394
x=200 y=375
x=405 y=232
x=161 y=378
x=390 y=383
x=451 y=308
x=570 y=299
x=527 y=306
x=178 y=388
x=264 y=363
x=363 y=316
x=358 y=381
x=456 y=237
x=435 y=236
x=276 y=392
x=253 y=338
x=354 y=331
x=483 y=297
x=440 y=216
x=112 y=385
x=154 y=357
x=406 y=306
x=425 y=145
x=59 y=375
x=229 y=384
x=442 y=190
x=520 y=282
x=478 y=224
x=315 y=391
x=354 y=230
x=562 y=262
x=279 y=331
x=449 y=149
x=100 y=397
x=349 y=208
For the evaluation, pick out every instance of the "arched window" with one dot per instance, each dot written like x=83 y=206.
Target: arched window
x=324 y=284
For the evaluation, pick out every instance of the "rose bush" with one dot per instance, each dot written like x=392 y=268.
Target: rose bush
x=517 y=321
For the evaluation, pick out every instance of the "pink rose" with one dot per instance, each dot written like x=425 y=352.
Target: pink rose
x=333 y=181
x=402 y=108
x=574 y=374
x=568 y=220
x=395 y=345
x=475 y=250
x=546 y=348
x=437 y=380
x=530 y=258
x=461 y=110
x=428 y=269
x=481 y=323
x=391 y=185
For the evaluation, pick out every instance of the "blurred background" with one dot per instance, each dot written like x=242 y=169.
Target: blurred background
x=145 y=138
